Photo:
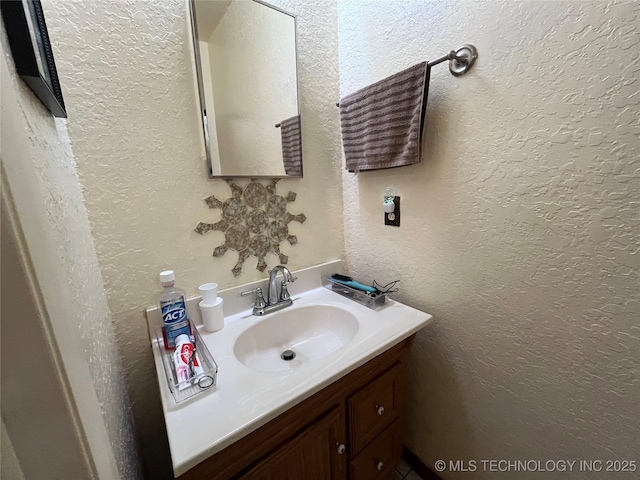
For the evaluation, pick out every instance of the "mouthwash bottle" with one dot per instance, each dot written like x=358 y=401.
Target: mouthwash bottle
x=173 y=308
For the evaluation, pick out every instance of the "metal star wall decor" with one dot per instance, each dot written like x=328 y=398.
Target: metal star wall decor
x=254 y=221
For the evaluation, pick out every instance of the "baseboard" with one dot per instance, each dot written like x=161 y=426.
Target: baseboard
x=418 y=466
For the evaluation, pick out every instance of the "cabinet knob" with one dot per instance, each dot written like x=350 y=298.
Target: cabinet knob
x=380 y=409
x=341 y=448
x=379 y=465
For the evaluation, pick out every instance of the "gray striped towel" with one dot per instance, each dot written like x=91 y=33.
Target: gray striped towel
x=291 y=146
x=382 y=123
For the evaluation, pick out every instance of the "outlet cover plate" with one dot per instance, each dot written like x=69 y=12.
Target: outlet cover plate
x=393 y=219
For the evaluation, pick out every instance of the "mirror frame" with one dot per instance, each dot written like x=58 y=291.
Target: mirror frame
x=201 y=97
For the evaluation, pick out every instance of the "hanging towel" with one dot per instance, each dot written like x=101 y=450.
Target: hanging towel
x=382 y=123
x=291 y=146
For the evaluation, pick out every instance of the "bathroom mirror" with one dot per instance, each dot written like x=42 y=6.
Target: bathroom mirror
x=245 y=55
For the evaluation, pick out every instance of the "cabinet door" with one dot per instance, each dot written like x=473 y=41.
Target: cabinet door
x=313 y=454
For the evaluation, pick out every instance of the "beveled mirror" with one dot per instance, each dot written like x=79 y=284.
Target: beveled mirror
x=245 y=55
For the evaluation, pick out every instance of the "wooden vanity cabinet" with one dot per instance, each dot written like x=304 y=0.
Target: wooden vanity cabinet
x=312 y=450
x=350 y=429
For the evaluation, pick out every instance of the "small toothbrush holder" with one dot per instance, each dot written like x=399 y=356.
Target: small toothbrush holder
x=370 y=300
x=212 y=315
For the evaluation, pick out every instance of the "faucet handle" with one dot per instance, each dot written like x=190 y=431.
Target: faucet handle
x=259 y=300
x=284 y=293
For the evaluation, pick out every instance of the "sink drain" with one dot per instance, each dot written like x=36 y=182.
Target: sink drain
x=288 y=355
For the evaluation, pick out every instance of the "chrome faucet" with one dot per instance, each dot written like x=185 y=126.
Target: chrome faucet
x=272 y=293
x=274 y=300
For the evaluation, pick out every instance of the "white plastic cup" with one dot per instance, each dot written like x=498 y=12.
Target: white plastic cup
x=209 y=292
x=212 y=315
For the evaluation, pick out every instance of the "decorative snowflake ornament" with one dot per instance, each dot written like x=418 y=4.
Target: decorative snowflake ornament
x=254 y=221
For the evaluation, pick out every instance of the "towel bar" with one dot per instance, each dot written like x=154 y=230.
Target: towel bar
x=460 y=60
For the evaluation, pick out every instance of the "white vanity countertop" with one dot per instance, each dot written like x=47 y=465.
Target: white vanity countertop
x=245 y=399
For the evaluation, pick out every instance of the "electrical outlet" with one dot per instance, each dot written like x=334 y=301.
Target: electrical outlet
x=394 y=217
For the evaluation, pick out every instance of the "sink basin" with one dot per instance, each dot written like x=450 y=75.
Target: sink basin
x=311 y=332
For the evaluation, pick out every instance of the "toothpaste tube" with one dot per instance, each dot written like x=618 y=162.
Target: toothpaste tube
x=187 y=370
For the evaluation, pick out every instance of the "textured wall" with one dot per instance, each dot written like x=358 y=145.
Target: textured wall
x=134 y=127
x=253 y=70
x=519 y=229
x=42 y=176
